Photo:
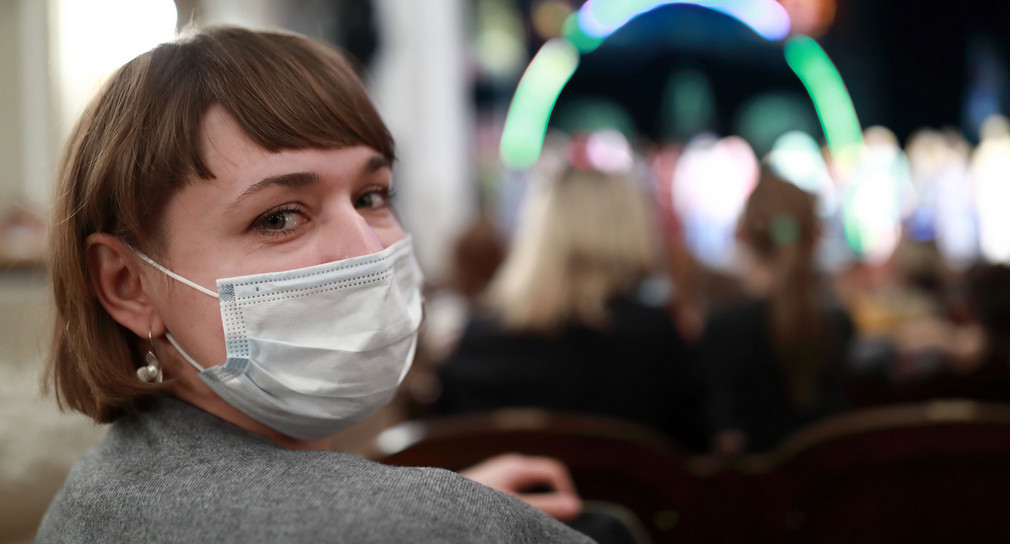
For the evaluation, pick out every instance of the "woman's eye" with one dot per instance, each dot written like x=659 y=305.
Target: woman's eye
x=279 y=220
x=373 y=200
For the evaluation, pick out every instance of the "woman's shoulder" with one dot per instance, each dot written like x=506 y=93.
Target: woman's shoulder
x=123 y=490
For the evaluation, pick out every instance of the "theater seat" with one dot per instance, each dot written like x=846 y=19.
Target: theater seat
x=622 y=464
x=935 y=472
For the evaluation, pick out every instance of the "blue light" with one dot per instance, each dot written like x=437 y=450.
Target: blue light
x=768 y=18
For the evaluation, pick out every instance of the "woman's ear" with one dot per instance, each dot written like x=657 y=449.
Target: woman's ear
x=119 y=283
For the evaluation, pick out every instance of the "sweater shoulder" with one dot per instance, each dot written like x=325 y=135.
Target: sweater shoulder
x=281 y=496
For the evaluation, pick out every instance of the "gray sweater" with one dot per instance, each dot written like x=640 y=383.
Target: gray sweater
x=178 y=474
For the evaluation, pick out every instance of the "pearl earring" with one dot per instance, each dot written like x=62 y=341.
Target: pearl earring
x=152 y=372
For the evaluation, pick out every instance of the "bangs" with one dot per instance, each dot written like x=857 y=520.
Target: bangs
x=284 y=91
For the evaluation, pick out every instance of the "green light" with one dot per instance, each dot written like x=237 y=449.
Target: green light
x=616 y=13
x=827 y=91
x=572 y=31
x=538 y=91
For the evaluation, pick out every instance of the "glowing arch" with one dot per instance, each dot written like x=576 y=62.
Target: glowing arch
x=556 y=62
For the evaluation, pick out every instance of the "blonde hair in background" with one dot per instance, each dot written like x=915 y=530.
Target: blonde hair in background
x=584 y=237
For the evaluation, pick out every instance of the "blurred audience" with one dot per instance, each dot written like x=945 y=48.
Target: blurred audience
x=775 y=359
x=984 y=367
x=476 y=255
x=576 y=319
x=972 y=358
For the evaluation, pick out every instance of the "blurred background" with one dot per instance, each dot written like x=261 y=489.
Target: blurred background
x=888 y=113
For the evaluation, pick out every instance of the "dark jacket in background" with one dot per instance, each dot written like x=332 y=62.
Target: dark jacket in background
x=638 y=369
x=748 y=391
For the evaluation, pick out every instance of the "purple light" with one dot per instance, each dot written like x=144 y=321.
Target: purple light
x=600 y=18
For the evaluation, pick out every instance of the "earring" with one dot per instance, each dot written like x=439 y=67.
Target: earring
x=152 y=372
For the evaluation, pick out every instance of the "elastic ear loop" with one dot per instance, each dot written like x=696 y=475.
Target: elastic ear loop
x=171 y=274
x=182 y=351
x=179 y=278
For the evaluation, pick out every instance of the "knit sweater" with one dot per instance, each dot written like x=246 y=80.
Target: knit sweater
x=178 y=474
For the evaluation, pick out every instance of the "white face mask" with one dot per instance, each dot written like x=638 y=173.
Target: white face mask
x=315 y=350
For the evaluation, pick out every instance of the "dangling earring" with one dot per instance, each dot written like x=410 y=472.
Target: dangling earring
x=152 y=372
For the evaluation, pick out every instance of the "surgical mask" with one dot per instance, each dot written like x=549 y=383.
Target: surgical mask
x=315 y=350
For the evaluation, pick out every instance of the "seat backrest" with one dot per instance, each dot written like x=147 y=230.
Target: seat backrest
x=934 y=472
x=610 y=460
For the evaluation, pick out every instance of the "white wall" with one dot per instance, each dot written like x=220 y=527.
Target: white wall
x=11 y=142
x=27 y=148
x=422 y=90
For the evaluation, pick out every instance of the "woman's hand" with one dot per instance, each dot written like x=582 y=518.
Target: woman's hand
x=524 y=477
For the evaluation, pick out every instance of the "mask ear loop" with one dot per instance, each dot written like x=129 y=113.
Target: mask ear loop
x=182 y=352
x=168 y=335
x=173 y=275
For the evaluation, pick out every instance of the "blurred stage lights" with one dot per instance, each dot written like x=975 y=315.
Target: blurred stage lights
x=555 y=63
x=796 y=158
x=609 y=151
x=831 y=100
x=810 y=17
x=601 y=18
x=549 y=16
x=538 y=91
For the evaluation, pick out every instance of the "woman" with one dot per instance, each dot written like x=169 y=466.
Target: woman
x=775 y=359
x=573 y=324
x=245 y=294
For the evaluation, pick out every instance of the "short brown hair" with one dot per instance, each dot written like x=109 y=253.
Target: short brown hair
x=138 y=143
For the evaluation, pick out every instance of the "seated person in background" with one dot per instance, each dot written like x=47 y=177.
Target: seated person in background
x=232 y=290
x=476 y=255
x=975 y=356
x=572 y=323
x=775 y=360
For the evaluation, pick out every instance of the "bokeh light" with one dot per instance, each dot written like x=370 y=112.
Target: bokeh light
x=600 y=18
x=609 y=151
x=549 y=16
x=877 y=196
x=538 y=90
x=945 y=207
x=767 y=116
x=711 y=183
x=989 y=168
x=688 y=104
x=499 y=47
x=810 y=17
x=593 y=115
x=796 y=158
x=831 y=99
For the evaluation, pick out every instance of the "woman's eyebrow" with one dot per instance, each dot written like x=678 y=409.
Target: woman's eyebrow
x=294 y=179
x=374 y=164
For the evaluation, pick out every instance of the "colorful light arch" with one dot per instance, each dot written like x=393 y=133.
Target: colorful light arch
x=556 y=62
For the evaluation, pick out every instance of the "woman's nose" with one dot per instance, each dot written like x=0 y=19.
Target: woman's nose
x=352 y=237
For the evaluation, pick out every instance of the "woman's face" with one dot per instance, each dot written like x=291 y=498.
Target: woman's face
x=263 y=212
